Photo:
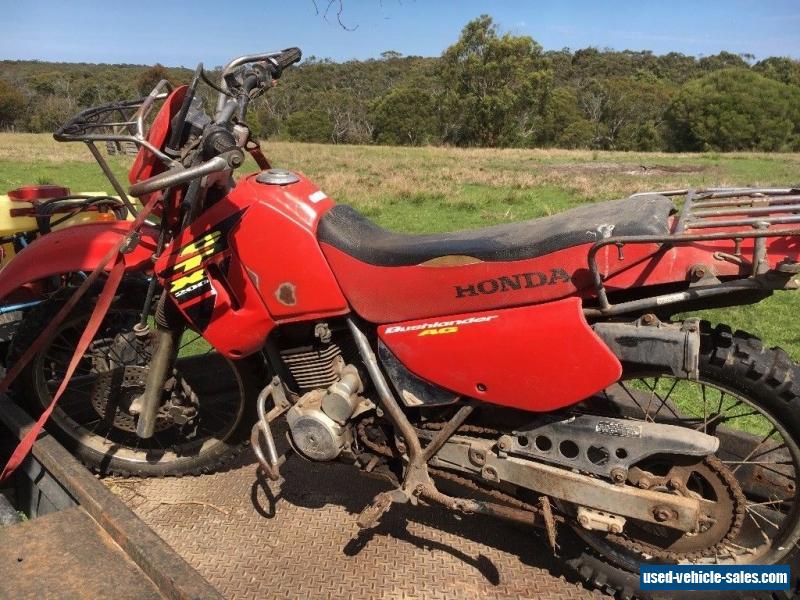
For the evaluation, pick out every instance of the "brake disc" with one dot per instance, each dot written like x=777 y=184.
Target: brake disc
x=114 y=391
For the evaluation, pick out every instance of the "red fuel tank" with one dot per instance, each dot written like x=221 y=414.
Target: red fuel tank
x=252 y=261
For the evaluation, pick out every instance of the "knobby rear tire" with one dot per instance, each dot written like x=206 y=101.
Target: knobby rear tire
x=770 y=380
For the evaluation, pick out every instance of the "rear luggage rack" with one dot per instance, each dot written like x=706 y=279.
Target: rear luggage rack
x=743 y=213
x=760 y=207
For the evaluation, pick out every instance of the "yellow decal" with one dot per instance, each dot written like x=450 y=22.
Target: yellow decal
x=200 y=249
x=437 y=331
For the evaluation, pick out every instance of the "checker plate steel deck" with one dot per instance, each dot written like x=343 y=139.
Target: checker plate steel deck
x=306 y=543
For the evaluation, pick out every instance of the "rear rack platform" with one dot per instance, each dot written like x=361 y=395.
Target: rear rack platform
x=737 y=207
x=713 y=214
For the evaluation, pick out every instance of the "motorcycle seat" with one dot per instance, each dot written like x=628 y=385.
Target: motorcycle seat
x=351 y=232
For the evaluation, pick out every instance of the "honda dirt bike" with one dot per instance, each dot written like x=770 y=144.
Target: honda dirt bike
x=538 y=364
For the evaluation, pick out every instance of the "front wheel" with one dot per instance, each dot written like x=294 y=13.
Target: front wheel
x=205 y=413
x=748 y=396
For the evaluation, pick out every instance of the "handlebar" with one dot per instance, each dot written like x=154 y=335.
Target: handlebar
x=179 y=176
x=266 y=67
x=278 y=60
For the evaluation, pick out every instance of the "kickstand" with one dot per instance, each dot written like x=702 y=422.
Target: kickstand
x=549 y=522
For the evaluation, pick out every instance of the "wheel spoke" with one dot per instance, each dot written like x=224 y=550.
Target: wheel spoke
x=753 y=451
x=759 y=515
x=768 y=503
x=778 y=447
x=631 y=396
x=191 y=341
x=662 y=400
x=756 y=462
x=705 y=412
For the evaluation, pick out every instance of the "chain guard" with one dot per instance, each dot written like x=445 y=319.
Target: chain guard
x=604 y=446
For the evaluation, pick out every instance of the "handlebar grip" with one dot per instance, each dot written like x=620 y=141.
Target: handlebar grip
x=288 y=57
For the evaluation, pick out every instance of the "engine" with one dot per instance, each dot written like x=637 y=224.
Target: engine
x=318 y=421
x=314 y=367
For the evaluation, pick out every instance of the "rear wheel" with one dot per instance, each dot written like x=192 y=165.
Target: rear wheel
x=748 y=396
x=205 y=412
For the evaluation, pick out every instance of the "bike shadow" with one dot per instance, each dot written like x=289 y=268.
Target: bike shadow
x=313 y=486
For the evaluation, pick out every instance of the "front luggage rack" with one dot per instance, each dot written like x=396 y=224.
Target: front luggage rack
x=743 y=213
x=122 y=126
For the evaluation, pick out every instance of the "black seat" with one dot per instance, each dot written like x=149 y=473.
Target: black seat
x=348 y=230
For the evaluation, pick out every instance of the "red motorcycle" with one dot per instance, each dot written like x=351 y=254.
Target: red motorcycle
x=541 y=364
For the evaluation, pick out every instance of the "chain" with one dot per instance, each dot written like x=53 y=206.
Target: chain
x=476 y=429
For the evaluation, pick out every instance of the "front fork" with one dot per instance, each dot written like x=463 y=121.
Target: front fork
x=169 y=329
x=167 y=344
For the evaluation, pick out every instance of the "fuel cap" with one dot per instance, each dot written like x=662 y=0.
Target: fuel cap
x=277 y=177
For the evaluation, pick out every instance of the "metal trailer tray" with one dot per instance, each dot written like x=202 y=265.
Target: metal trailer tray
x=248 y=539
x=83 y=541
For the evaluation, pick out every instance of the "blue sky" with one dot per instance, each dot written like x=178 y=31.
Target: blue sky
x=177 y=32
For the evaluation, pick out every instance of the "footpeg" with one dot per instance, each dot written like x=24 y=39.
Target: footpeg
x=261 y=436
x=373 y=513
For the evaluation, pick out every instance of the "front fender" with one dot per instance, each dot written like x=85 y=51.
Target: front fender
x=77 y=248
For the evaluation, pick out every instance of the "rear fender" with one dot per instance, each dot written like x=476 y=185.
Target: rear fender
x=78 y=248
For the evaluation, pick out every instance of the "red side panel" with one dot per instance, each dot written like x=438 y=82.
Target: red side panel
x=536 y=358
x=209 y=284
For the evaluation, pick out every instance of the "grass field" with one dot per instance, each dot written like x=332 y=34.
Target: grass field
x=441 y=189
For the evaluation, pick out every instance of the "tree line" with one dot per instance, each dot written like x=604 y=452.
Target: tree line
x=488 y=89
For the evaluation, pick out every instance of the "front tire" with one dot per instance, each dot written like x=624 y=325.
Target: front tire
x=766 y=380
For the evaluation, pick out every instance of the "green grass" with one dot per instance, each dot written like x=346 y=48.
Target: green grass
x=442 y=189
x=77 y=176
x=475 y=206
x=702 y=404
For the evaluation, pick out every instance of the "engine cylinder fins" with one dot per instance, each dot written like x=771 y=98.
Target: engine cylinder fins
x=314 y=368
